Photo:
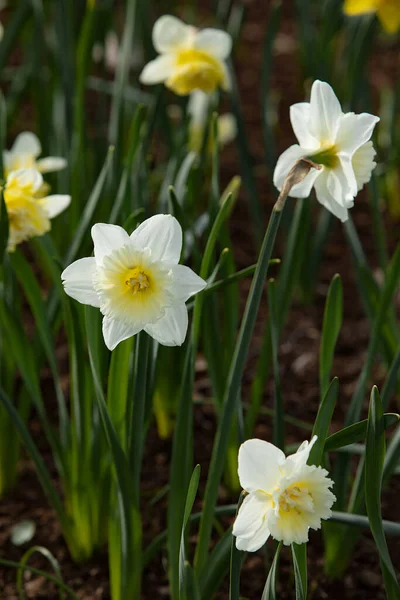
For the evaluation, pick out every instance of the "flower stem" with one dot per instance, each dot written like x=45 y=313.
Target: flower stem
x=295 y=175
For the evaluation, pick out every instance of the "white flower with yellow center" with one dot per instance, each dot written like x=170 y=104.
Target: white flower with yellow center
x=189 y=59
x=197 y=108
x=337 y=141
x=28 y=212
x=285 y=495
x=24 y=155
x=136 y=281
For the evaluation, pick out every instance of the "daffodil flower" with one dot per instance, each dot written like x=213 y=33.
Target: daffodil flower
x=136 y=281
x=189 y=59
x=29 y=213
x=24 y=155
x=198 y=111
x=286 y=497
x=387 y=11
x=337 y=141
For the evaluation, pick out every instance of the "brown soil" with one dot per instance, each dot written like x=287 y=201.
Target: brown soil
x=299 y=347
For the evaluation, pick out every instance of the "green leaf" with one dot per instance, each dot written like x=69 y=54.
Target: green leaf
x=374 y=460
x=278 y=436
x=323 y=421
x=17 y=565
x=217 y=564
x=89 y=210
x=269 y=592
x=356 y=432
x=355 y=520
x=24 y=560
x=181 y=465
x=299 y=555
x=190 y=498
x=333 y=317
x=33 y=294
x=236 y=562
x=129 y=516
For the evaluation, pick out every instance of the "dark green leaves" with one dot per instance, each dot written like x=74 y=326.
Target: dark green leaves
x=374 y=459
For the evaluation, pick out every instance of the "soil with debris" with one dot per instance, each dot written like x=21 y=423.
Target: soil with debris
x=298 y=354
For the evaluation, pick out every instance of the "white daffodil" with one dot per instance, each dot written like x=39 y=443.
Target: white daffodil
x=136 y=281
x=285 y=495
x=189 y=59
x=197 y=109
x=24 y=154
x=337 y=141
x=29 y=213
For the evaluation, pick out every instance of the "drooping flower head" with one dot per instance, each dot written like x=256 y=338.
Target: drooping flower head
x=337 y=141
x=198 y=106
x=29 y=213
x=189 y=59
x=387 y=11
x=286 y=497
x=136 y=281
x=24 y=155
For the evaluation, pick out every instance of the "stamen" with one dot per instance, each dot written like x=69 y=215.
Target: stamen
x=137 y=280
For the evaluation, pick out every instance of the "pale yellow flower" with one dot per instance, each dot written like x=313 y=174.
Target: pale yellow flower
x=387 y=11
x=29 y=214
x=189 y=59
x=24 y=154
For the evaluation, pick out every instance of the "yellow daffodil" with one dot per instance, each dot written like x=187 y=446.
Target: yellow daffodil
x=29 y=214
x=189 y=59
x=387 y=11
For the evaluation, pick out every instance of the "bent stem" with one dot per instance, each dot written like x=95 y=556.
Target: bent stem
x=298 y=172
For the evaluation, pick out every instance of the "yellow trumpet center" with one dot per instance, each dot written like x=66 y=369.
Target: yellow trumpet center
x=195 y=70
x=136 y=280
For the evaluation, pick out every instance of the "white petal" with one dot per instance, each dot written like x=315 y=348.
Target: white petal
x=107 y=238
x=326 y=199
x=285 y=162
x=300 y=120
x=185 y=283
x=78 y=281
x=171 y=329
x=27 y=178
x=170 y=33
x=256 y=541
x=27 y=143
x=54 y=205
x=325 y=112
x=363 y=164
x=51 y=164
x=250 y=524
x=259 y=463
x=300 y=458
x=216 y=42
x=115 y=332
x=157 y=70
x=346 y=171
x=354 y=131
x=339 y=182
x=163 y=235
